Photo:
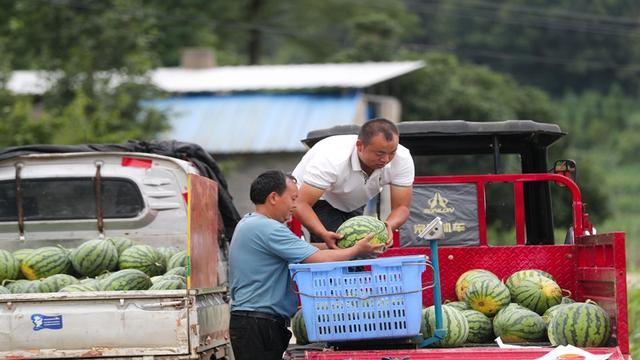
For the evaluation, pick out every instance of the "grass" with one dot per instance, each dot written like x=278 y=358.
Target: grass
x=634 y=314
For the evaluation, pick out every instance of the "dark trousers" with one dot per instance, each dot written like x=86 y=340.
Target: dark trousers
x=331 y=217
x=255 y=338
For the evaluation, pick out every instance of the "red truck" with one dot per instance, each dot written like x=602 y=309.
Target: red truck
x=477 y=176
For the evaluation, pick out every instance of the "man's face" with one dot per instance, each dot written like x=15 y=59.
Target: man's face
x=378 y=153
x=285 y=203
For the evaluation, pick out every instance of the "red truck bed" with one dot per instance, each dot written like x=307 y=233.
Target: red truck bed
x=593 y=267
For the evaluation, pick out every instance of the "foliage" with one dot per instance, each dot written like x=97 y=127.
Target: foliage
x=634 y=317
x=556 y=45
x=446 y=89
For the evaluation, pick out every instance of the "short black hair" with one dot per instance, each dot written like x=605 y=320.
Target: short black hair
x=268 y=182
x=377 y=126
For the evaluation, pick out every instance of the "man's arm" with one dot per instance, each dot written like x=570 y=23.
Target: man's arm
x=307 y=197
x=400 y=204
x=362 y=248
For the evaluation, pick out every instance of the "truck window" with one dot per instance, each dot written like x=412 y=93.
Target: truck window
x=467 y=164
x=70 y=198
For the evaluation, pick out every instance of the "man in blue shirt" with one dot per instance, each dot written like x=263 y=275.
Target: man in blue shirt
x=262 y=247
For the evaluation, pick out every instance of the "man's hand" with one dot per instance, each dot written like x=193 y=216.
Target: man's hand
x=330 y=238
x=367 y=250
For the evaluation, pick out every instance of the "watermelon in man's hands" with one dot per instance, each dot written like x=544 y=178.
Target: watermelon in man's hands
x=358 y=227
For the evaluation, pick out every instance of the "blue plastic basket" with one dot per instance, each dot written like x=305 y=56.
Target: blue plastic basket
x=342 y=301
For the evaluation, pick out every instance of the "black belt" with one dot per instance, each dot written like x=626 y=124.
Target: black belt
x=262 y=315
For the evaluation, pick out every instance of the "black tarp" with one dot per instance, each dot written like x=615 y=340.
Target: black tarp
x=193 y=153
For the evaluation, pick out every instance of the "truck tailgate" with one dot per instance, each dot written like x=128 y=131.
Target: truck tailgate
x=94 y=324
x=476 y=353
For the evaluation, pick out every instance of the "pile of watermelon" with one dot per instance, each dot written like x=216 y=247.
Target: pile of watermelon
x=528 y=307
x=112 y=264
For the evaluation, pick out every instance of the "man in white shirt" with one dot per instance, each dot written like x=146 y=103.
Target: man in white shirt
x=339 y=174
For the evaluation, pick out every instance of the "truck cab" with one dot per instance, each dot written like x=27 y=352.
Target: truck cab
x=483 y=177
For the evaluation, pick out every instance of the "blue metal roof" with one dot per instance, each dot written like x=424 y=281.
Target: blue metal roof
x=255 y=123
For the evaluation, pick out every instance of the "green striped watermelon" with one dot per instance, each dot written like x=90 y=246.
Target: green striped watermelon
x=358 y=227
x=537 y=293
x=127 y=279
x=518 y=276
x=179 y=259
x=155 y=279
x=299 y=329
x=9 y=266
x=56 y=282
x=487 y=295
x=32 y=286
x=45 y=261
x=168 y=284
x=78 y=288
x=468 y=277
x=179 y=270
x=4 y=290
x=453 y=321
x=167 y=252
x=480 y=327
x=20 y=255
x=517 y=324
x=144 y=258
x=94 y=257
x=17 y=287
x=551 y=312
x=460 y=305
x=121 y=243
x=581 y=325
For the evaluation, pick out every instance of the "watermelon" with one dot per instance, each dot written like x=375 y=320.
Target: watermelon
x=179 y=259
x=518 y=276
x=45 y=261
x=32 y=286
x=20 y=255
x=94 y=257
x=143 y=258
x=580 y=324
x=9 y=266
x=127 y=279
x=18 y=286
x=537 y=293
x=517 y=324
x=480 y=327
x=359 y=227
x=179 y=270
x=155 y=279
x=453 y=321
x=121 y=243
x=78 y=288
x=167 y=252
x=299 y=329
x=468 y=277
x=551 y=312
x=4 y=290
x=168 y=284
x=487 y=295
x=460 y=305
x=56 y=282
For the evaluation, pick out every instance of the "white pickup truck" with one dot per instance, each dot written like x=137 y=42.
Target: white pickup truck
x=64 y=199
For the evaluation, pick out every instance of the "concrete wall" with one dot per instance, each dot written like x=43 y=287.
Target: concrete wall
x=241 y=170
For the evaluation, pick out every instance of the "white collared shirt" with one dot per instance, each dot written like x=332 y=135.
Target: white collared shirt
x=333 y=165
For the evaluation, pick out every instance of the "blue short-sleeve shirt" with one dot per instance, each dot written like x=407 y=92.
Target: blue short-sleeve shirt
x=259 y=257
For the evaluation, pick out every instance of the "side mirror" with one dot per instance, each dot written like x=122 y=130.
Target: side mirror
x=565 y=168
